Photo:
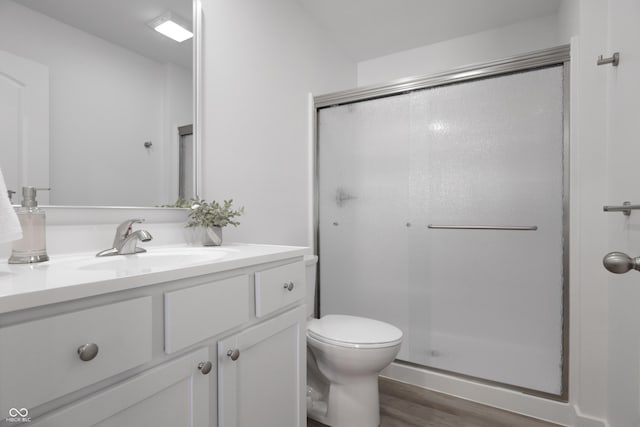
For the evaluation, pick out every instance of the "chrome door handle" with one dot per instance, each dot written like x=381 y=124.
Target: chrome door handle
x=288 y=286
x=233 y=354
x=619 y=262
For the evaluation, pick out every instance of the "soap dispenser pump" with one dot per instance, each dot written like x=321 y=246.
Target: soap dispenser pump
x=32 y=247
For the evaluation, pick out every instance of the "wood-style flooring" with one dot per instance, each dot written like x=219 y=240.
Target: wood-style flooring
x=403 y=405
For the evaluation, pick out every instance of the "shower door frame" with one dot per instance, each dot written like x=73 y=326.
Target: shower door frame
x=557 y=56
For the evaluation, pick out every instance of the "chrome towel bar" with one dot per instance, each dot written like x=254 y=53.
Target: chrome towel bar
x=483 y=227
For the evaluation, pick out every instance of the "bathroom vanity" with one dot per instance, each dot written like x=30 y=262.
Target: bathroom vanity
x=179 y=336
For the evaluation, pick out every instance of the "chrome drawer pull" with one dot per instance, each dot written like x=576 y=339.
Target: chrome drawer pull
x=205 y=367
x=233 y=354
x=88 y=352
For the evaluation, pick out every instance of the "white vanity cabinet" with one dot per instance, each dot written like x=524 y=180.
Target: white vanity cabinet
x=216 y=345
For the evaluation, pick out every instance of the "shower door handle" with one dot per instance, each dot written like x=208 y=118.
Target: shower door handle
x=484 y=227
x=619 y=262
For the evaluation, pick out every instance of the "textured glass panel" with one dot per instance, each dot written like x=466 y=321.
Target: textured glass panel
x=363 y=153
x=488 y=152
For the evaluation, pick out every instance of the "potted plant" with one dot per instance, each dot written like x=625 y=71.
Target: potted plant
x=209 y=217
x=212 y=217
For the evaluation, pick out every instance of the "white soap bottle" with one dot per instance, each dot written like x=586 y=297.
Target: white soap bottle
x=33 y=246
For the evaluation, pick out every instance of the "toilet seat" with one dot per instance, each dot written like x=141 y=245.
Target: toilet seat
x=353 y=332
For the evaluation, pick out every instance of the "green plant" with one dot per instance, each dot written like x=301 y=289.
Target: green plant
x=211 y=214
x=182 y=203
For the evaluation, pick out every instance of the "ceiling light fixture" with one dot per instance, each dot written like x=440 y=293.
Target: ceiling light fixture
x=171 y=26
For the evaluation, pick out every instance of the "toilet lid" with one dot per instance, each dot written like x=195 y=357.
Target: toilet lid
x=353 y=330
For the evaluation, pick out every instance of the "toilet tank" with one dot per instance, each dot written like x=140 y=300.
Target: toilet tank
x=311 y=262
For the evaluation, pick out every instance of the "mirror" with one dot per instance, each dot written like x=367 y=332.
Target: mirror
x=96 y=104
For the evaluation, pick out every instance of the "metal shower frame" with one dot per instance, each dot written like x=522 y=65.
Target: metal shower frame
x=535 y=60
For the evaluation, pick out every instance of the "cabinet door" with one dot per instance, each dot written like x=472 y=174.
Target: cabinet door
x=265 y=384
x=173 y=394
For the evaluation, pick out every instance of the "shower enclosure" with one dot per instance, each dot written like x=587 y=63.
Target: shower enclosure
x=442 y=209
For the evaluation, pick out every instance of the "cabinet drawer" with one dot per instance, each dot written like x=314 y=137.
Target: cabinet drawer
x=39 y=360
x=279 y=287
x=201 y=312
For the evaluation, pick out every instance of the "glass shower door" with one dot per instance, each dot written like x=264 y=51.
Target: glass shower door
x=363 y=203
x=399 y=180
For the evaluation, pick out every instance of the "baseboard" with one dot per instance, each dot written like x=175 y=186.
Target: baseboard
x=587 y=421
x=544 y=409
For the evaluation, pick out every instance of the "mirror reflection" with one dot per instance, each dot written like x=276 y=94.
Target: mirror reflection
x=95 y=103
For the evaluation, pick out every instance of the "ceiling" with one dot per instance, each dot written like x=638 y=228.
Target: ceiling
x=370 y=28
x=123 y=22
x=363 y=28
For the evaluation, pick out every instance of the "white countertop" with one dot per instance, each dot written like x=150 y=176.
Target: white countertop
x=73 y=276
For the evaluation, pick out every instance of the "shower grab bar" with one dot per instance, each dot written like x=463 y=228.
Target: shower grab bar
x=483 y=227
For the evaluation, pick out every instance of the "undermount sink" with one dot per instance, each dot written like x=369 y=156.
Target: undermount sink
x=151 y=260
x=155 y=259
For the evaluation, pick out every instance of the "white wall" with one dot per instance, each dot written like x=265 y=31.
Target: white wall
x=588 y=293
x=261 y=59
x=480 y=47
x=568 y=17
x=106 y=101
x=623 y=173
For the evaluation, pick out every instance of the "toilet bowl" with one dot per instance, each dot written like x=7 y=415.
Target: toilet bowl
x=344 y=358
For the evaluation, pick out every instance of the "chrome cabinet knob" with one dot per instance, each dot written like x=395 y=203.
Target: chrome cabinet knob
x=619 y=262
x=88 y=352
x=205 y=367
x=288 y=286
x=233 y=354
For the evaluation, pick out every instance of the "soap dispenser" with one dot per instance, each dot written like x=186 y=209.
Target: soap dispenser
x=32 y=247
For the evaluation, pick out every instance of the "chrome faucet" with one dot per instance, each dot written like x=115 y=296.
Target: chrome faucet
x=125 y=242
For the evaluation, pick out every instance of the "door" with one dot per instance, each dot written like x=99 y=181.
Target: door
x=624 y=231
x=24 y=123
x=262 y=374
x=173 y=394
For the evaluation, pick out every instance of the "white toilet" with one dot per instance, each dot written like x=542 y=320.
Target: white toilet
x=345 y=355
